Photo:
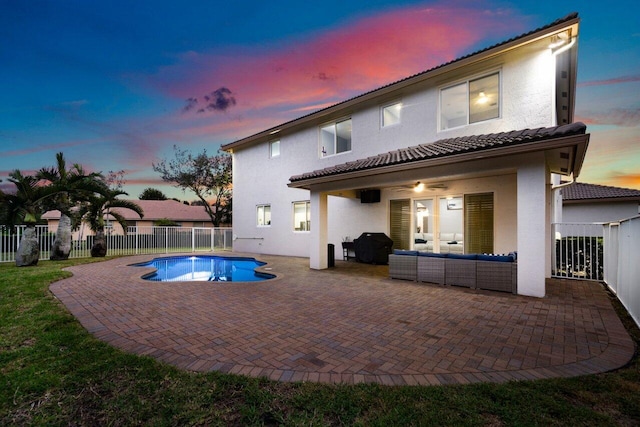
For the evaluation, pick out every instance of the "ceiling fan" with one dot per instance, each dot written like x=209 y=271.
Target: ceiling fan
x=421 y=186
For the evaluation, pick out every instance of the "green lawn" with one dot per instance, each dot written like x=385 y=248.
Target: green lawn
x=52 y=372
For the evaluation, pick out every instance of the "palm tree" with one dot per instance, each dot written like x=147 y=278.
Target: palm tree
x=26 y=207
x=100 y=206
x=74 y=185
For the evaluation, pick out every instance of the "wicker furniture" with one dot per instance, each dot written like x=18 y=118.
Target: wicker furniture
x=496 y=273
x=490 y=272
x=431 y=268
x=403 y=265
x=460 y=270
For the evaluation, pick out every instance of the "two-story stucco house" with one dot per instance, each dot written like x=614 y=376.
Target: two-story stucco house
x=468 y=151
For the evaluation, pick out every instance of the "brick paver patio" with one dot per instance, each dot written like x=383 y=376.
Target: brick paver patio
x=349 y=324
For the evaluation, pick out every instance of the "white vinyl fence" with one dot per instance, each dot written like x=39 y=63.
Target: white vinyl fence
x=622 y=263
x=138 y=240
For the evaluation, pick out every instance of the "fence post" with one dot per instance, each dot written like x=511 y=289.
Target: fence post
x=213 y=239
x=193 y=239
x=18 y=230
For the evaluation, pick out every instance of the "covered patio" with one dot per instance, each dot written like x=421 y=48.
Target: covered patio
x=349 y=324
x=514 y=168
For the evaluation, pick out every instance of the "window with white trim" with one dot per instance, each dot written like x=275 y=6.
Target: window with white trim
x=390 y=114
x=263 y=215
x=335 y=138
x=274 y=148
x=469 y=102
x=302 y=216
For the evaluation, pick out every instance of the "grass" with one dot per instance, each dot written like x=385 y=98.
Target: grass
x=52 y=372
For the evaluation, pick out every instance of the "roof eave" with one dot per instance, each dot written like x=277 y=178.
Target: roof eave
x=580 y=142
x=602 y=200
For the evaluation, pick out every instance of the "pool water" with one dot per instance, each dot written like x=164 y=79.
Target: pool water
x=205 y=269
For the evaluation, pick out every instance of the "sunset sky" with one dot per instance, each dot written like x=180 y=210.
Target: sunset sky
x=115 y=84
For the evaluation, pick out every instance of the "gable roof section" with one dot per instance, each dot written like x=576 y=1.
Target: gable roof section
x=156 y=210
x=582 y=192
x=546 y=30
x=460 y=149
x=169 y=209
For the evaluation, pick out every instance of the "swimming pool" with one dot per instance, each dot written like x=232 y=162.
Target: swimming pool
x=205 y=269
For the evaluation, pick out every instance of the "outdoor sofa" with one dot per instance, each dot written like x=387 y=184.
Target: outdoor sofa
x=475 y=271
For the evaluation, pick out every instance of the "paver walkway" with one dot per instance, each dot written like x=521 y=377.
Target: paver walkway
x=349 y=324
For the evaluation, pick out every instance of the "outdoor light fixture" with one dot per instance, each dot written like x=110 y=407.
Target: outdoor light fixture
x=561 y=42
x=418 y=187
x=558 y=40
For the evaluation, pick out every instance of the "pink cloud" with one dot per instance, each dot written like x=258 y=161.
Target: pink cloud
x=40 y=148
x=615 y=117
x=330 y=66
x=606 y=82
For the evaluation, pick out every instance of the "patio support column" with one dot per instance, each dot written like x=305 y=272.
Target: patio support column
x=532 y=226
x=318 y=259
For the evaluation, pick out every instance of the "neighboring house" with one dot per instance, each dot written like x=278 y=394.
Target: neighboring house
x=480 y=138
x=585 y=203
x=155 y=212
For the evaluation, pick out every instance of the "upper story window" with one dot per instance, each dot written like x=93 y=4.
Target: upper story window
x=470 y=102
x=335 y=138
x=391 y=114
x=302 y=216
x=263 y=215
x=274 y=148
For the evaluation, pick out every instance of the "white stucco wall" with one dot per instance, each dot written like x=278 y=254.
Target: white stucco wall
x=599 y=212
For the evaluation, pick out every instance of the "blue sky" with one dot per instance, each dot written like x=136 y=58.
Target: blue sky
x=108 y=83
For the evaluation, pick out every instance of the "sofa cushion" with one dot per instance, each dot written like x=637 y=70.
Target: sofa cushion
x=404 y=252
x=463 y=256
x=432 y=255
x=495 y=258
x=448 y=237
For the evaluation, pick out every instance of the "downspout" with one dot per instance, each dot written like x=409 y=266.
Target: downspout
x=558 y=210
x=564 y=184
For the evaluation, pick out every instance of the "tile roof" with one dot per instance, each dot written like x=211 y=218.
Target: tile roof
x=583 y=191
x=155 y=210
x=448 y=147
x=570 y=17
x=171 y=209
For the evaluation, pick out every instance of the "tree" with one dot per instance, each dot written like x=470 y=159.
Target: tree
x=100 y=206
x=152 y=194
x=206 y=176
x=73 y=186
x=115 y=180
x=26 y=207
